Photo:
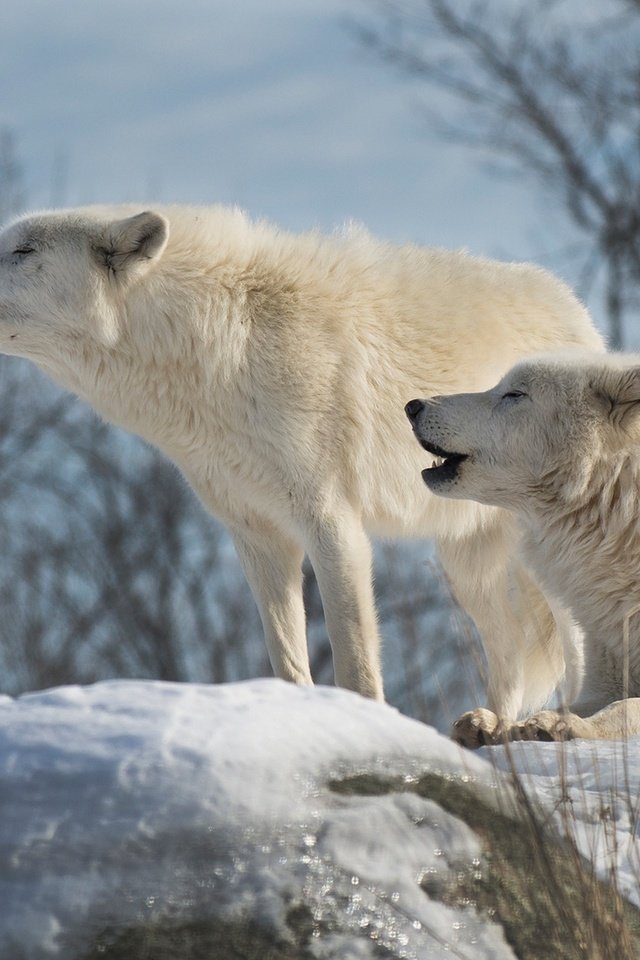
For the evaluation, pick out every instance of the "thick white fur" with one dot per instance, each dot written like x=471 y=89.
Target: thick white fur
x=557 y=442
x=273 y=369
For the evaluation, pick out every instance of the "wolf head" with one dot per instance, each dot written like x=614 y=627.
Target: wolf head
x=541 y=431
x=66 y=274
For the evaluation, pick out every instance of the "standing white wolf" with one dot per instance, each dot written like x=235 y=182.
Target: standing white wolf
x=557 y=442
x=273 y=369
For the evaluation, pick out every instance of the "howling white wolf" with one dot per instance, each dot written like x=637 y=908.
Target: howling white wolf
x=557 y=442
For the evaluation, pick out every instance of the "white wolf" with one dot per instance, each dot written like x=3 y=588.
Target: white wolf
x=274 y=369
x=557 y=442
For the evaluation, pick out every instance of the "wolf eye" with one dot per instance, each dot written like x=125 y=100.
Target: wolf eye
x=23 y=250
x=513 y=395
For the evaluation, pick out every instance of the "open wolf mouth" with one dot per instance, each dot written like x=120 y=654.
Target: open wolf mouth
x=445 y=467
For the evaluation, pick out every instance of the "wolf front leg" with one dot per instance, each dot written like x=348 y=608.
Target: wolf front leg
x=272 y=564
x=614 y=722
x=340 y=554
x=519 y=634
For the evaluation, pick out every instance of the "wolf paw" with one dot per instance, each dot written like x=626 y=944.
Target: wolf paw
x=547 y=725
x=477 y=728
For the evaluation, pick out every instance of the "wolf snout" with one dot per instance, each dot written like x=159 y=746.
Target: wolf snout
x=413 y=408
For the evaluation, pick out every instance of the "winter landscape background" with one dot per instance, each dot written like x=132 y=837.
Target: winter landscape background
x=309 y=114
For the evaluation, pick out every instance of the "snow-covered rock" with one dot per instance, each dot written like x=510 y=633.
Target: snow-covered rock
x=255 y=819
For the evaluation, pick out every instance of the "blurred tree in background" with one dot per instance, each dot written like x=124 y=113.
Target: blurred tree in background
x=552 y=88
x=108 y=569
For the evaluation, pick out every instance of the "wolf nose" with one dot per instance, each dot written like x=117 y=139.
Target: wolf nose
x=413 y=408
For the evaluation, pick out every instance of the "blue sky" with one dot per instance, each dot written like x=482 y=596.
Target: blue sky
x=272 y=106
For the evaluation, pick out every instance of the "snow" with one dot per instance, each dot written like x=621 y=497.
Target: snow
x=131 y=800
x=591 y=789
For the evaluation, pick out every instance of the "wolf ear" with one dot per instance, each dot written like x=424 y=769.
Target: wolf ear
x=621 y=391
x=132 y=244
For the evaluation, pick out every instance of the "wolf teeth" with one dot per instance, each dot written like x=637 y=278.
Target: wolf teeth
x=437 y=462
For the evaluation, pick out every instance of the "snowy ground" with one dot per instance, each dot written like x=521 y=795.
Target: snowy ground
x=591 y=790
x=131 y=801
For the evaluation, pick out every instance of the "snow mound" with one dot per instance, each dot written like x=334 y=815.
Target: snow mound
x=130 y=803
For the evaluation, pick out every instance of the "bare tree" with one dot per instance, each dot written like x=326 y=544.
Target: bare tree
x=108 y=568
x=553 y=89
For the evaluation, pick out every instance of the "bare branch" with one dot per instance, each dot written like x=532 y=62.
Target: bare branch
x=561 y=104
